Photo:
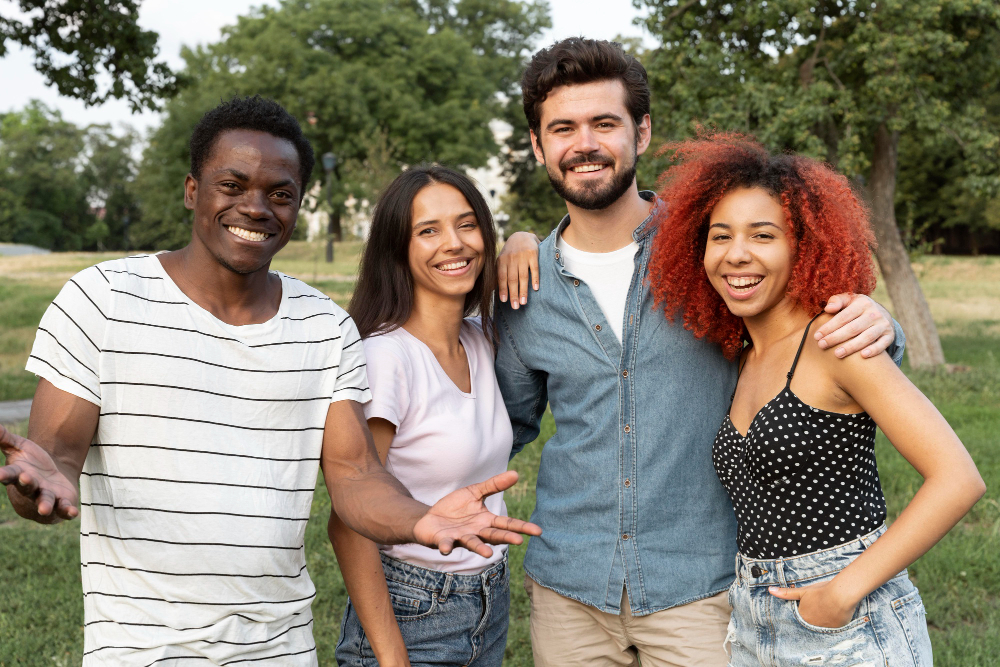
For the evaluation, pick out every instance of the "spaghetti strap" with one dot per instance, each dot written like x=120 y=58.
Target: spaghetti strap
x=740 y=363
x=798 y=352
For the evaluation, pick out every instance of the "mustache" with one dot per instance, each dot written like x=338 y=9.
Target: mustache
x=595 y=157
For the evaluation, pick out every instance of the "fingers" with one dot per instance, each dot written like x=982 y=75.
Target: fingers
x=45 y=502
x=499 y=536
x=502 y=276
x=786 y=593
x=9 y=474
x=513 y=285
x=9 y=442
x=857 y=327
x=533 y=265
x=473 y=543
x=510 y=523
x=523 y=271
x=880 y=345
x=494 y=484
x=446 y=545
x=66 y=510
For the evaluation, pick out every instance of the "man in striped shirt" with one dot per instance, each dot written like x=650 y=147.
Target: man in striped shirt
x=192 y=395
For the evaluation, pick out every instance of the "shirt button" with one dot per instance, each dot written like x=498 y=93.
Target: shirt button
x=597 y=327
x=628 y=428
x=576 y=283
x=628 y=483
x=624 y=374
x=625 y=536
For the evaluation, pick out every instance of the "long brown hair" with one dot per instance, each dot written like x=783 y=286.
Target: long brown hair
x=383 y=297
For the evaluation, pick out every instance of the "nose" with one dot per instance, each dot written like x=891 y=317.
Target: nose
x=738 y=252
x=451 y=241
x=586 y=141
x=254 y=204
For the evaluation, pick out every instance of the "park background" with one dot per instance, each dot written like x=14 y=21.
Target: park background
x=900 y=96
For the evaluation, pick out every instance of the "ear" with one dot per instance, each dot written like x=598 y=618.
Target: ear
x=536 y=147
x=644 y=134
x=190 y=191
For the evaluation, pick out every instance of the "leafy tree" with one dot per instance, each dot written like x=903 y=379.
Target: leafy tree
x=841 y=80
x=78 y=43
x=419 y=77
x=109 y=175
x=43 y=201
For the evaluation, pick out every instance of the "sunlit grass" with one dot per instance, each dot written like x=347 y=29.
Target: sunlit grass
x=41 y=607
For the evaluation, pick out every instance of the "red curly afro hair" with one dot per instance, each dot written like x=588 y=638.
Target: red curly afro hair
x=831 y=238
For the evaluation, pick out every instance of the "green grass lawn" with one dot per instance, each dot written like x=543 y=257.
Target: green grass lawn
x=41 y=608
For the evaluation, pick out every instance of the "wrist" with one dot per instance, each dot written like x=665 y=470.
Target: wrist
x=842 y=597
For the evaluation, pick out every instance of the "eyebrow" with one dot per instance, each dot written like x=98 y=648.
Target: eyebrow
x=233 y=172
x=597 y=118
x=424 y=223
x=754 y=225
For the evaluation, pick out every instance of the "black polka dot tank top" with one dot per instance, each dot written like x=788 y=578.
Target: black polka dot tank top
x=802 y=479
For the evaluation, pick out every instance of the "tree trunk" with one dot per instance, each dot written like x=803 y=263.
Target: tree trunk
x=922 y=342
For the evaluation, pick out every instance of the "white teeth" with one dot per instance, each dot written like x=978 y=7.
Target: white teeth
x=453 y=265
x=248 y=235
x=743 y=281
x=588 y=167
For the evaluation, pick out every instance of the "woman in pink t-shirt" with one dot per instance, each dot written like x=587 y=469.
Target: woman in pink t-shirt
x=438 y=422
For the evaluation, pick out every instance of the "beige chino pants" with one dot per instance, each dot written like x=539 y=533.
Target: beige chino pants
x=567 y=633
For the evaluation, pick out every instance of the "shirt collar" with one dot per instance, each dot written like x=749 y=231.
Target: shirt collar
x=641 y=231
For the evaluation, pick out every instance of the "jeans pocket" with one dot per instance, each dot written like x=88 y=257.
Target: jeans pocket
x=909 y=611
x=856 y=622
x=410 y=602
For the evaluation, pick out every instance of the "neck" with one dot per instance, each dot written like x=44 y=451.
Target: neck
x=775 y=324
x=609 y=228
x=436 y=321
x=232 y=297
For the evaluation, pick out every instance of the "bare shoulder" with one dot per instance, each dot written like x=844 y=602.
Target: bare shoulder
x=848 y=370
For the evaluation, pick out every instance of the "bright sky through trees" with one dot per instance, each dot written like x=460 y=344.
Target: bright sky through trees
x=191 y=22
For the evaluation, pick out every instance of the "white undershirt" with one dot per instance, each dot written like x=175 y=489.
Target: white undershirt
x=607 y=274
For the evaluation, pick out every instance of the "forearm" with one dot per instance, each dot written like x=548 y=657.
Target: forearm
x=373 y=503
x=935 y=509
x=365 y=580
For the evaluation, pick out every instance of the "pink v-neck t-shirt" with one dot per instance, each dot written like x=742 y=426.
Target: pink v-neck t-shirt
x=445 y=438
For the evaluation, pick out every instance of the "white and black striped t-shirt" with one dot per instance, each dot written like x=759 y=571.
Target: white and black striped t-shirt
x=196 y=491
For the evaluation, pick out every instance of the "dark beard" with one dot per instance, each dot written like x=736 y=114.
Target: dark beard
x=597 y=196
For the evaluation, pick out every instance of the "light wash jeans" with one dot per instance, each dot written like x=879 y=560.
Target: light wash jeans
x=889 y=628
x=445 y=619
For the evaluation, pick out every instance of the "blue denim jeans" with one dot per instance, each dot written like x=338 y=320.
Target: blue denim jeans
x=445 y=619
x=889 y=628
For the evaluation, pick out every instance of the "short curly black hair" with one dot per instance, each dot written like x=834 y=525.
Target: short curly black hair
x=250 y=113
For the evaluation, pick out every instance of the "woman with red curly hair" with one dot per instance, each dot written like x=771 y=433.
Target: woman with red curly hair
x=746 y=250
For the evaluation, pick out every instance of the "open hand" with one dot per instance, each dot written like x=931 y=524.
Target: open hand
x=819 y=604
x=33 y=474
x=518 y=259
x=461 y=518
x=860 y=324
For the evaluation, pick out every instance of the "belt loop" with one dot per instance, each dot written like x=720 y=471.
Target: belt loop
x=446 y=588
x=779 y=566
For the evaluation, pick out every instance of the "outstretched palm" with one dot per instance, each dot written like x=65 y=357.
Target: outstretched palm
x=461 y=518
x=33 y=473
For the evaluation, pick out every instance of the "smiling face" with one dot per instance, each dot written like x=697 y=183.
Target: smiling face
x=589 y=143
x=246 y=199
x=446 y=244
x=748 y=254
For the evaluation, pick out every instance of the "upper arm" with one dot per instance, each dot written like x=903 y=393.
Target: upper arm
x=523 y=389
x=348 y=448
x=383 y=431
x=909 y=420
x=67 y=347
x=63 y=425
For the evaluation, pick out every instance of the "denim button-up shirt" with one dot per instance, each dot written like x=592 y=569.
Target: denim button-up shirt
x=627 y=493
